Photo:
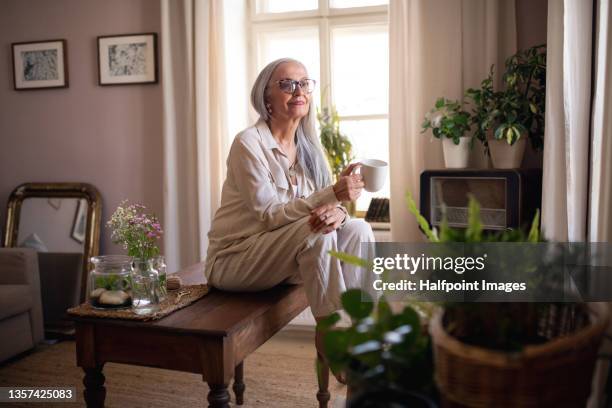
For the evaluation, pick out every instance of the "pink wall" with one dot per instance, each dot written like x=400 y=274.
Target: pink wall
x=531 y=22
x=110 y=137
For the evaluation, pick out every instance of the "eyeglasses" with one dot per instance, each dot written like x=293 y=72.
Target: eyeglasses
x=290 y=85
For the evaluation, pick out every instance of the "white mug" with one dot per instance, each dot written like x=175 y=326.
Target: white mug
x=374 y=173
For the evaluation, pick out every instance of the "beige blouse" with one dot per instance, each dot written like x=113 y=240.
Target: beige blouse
x=257 y=194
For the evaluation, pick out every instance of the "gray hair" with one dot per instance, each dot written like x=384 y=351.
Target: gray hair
x=310 y=154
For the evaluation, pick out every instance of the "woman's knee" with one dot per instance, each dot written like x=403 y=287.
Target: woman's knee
x=359 y=228
x=322 y=241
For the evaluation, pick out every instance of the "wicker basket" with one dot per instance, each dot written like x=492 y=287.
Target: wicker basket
x=557 y=373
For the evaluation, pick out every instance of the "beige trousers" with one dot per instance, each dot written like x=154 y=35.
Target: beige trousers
x=294 y=254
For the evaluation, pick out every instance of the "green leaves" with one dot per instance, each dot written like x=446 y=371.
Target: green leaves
x=328 y=322
x=510 y=132
x=473 y=233
x=423 y=224
x=518 y=108
x=351 y=259
x=358 y=304
x=337 y=145
x=447 y=119
x=534 y=231
x=382 y=350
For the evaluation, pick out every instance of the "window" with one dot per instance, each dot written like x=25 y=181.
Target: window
x=344 y=44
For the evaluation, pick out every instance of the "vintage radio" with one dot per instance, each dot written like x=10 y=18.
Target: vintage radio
x=508 y=198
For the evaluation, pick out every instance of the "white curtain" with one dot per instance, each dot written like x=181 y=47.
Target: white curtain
x=568 y=115
x=437 y=48
x=195 y=139
x=600 y=209
x=577 y=185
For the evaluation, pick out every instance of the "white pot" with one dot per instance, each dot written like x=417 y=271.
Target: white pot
x=456 y=156
x=505 y=156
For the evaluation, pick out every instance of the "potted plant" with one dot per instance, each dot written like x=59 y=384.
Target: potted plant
x=449 y=122
x=504 y=119
x=338 y=147
x=385 y=355
x=512 y=354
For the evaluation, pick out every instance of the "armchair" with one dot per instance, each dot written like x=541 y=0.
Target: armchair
x=21 y=318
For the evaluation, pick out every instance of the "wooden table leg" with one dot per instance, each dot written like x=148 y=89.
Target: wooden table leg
x=239 y=383
x=323 y=380
x=95 y=392
x=218 y=396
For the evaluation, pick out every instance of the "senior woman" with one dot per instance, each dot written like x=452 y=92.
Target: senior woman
x=280 y=215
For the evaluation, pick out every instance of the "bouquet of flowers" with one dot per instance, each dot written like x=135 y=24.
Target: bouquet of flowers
x=136 y=230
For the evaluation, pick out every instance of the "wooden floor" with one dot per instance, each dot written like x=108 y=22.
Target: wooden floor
x=280 y=374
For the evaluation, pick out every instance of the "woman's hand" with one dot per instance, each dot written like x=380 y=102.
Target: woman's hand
x=349 y=185
x=326 y=218
x=349 y=169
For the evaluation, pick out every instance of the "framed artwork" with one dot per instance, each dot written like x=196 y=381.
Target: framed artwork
x=79 y=225
x=127 y=59
x=40 y=65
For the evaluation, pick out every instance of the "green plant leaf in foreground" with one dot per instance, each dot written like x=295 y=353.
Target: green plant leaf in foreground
x=412 y=207
x=329 y=321
x=358 y=304
x=351 y=259
x=534 y=232
x=474 y=229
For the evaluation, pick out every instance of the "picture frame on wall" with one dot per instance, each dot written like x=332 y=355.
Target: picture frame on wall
x=79 y=225
x=127 y=59
x=40 y=64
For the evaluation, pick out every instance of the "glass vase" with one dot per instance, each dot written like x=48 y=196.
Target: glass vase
x=145 y=286
x=161 y=268
x=109 y=282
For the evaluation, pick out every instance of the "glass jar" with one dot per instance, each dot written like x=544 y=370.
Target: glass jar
x=145 y=286
x=161 y=268
x=109 y=282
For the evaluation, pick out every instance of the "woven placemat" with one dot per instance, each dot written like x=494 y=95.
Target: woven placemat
x=176 y=299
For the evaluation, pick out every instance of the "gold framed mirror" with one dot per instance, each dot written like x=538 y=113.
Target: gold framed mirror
x=62 y=222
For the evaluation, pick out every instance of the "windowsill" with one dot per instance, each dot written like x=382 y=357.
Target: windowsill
x=376 y=226
x=381 y=230
x=380 y=226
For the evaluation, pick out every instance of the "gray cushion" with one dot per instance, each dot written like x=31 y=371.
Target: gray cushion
x=16 y=335
x=17 y=265
x=14 y=299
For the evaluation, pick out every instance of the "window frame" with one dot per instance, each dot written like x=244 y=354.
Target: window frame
x=324 y=19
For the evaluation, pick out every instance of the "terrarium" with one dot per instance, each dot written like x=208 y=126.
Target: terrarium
x=109 y=282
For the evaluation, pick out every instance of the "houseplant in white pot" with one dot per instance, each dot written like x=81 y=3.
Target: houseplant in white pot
x=449 y=122
x=505 y=119
x=507 y=147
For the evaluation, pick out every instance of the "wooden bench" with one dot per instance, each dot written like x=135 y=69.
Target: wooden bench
x=211 y=337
